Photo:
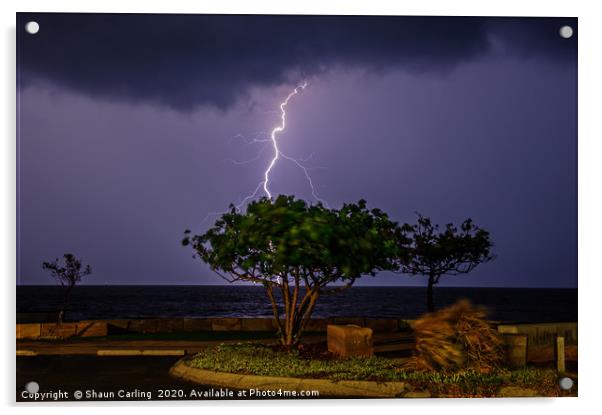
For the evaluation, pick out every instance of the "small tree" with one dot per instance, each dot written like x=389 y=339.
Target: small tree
x=67 y=274
x=298 y=249
x=452 y=251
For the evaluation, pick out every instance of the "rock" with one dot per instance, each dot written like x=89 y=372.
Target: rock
x=516 y=349
x=350 y=340
x=150 y=326
x=58 y=331
x=197 y=324
x=28 y=331
x=91 y=329
x=257 y=324
x=344 y=321
x=118 y=326
x=170 y=325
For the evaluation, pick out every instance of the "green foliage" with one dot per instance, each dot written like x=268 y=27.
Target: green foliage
x=263 y=360
x=255 y=359
x=451 y=251
x=299 y=249
x=287 y=236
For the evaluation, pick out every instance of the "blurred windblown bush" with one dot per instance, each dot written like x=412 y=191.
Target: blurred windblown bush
x=456 y=337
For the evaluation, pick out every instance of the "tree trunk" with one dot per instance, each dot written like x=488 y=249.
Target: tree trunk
x=275 y=311
x=305 y=314
x=296 y=313
x=65 y=305
x=289 y=314
x=429 y=294
x=286 y=328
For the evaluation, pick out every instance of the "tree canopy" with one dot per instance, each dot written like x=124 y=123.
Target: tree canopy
x=450 y=251
x=299 y=249
x=68 y=275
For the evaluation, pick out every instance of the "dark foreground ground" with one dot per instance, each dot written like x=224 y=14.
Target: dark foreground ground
x=138 y=375
x=100 y=378
x=142 y=378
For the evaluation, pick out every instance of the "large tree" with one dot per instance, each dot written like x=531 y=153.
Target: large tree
x=68 y=274
x=450 y=251
x=298 y=250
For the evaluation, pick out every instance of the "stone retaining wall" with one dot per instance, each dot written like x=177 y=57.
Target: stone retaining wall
x=543 y=334
x=541 y=339
x=539 y=334
x=96 y=328
x=91 y=328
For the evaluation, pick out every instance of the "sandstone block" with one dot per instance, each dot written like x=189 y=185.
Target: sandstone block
x=350 y=340
x=516 y=349
x=59 y=331
x=91 y=329
x=257 y=324
x=196 y=324
x=28 y=331
x=226 y=324
x=168 y=325
x=150 y=326
x=341 y=321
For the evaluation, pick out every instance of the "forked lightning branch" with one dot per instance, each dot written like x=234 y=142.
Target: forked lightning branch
x=264 y=185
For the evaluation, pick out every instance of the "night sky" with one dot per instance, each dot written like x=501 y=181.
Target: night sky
x=131 y=129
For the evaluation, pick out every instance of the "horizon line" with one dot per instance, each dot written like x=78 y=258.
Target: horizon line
x=252 y=285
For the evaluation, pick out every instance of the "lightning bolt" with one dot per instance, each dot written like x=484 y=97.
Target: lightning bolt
x=275 y=132
x=273 y=138
x=277 y=154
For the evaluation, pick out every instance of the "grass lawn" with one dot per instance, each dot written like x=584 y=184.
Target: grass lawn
x=262 y=360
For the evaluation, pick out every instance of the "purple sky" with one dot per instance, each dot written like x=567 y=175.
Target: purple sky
x=125 y=142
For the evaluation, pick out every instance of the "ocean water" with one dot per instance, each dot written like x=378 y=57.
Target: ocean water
x=113 y=302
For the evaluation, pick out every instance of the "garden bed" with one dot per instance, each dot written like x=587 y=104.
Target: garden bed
x=268 y=361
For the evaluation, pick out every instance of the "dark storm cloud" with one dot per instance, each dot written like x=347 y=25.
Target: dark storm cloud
x=535 y=37
x=183 y=61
